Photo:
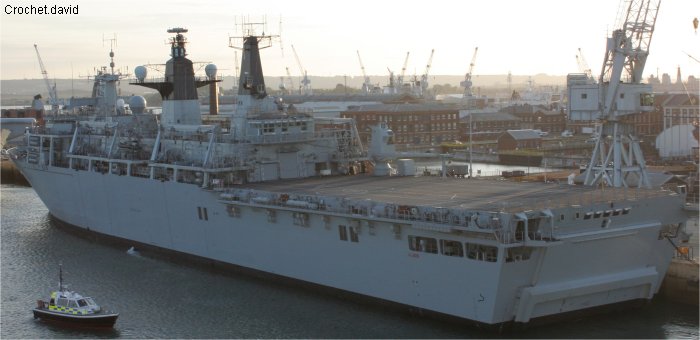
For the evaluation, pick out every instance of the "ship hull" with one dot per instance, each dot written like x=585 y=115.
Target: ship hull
x=104 y=320
x=227 y=267
x=578 y=273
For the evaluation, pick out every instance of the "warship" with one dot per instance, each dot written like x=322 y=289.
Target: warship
x=284 y=193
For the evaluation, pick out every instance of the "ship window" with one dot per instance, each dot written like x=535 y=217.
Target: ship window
x=451 y=248
x=646 y=99
x=482 y=252
x=422 y=244
x=62 y=302
x=518 y=254
x=72 y=303
x=301 y=219
x=82 y=303
x=343 y=231
x=353 y=234
x=233 y=211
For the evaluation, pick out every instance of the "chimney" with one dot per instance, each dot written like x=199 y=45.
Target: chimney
x=213 y=99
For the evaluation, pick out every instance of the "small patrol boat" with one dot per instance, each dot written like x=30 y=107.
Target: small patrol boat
x=69 y=307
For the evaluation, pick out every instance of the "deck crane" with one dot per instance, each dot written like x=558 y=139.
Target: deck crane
x=366 y=85
x=305 y=84
x=467 y=83
x=53 y=97
x=424 y=78
x=583 y=66
x=617 y=158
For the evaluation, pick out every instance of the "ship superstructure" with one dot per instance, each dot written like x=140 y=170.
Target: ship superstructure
x=285 y=193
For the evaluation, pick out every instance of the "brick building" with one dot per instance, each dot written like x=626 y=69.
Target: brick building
x=414 y=124
x=538 y=117
x=487 y=125
x=670 y=109
x=519 y=139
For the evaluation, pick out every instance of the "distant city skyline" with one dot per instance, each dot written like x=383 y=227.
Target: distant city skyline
x=521 y=37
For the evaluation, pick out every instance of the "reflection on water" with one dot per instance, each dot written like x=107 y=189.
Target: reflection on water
x=161 y=299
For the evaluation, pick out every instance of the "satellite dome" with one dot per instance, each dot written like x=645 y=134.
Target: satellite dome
x=141 y=72
x=210 y=70
x=137 y=104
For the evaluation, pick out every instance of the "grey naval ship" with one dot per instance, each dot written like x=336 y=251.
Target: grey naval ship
x=281 y=192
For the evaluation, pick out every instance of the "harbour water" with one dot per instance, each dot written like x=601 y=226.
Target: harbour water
x=157 y=298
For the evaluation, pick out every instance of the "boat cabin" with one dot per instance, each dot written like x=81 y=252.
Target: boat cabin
x=72 y=303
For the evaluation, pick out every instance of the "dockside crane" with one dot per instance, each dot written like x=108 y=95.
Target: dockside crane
x=617 y=158
x=305 y=84
x=366 y=85
x=392 y=88
x=583 y=66
x=467 y=83
x=289 y=76
x=53 y=97
x=403 y=71
x=424 y=78
x=282 y=86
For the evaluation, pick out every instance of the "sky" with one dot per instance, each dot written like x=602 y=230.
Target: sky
x=524 y=37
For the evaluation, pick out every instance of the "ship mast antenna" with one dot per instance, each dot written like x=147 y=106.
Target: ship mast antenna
x=60 y=277
x=112 y=43
x=249 y=29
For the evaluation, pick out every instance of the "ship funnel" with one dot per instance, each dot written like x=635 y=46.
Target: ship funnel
x=210 y=70
x=251 y=81
x=179 y=88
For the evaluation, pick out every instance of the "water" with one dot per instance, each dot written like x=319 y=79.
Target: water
x=161 y=299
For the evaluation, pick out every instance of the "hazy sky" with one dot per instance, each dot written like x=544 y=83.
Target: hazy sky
x=525 y=37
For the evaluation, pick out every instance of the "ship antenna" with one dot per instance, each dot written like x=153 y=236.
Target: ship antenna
x=60 y=277
x=112 y=43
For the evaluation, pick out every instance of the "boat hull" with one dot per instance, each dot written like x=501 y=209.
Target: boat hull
x=101 y=320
